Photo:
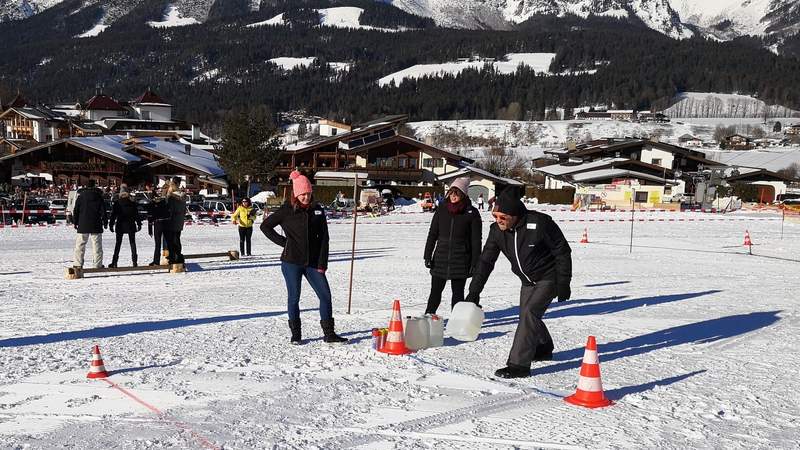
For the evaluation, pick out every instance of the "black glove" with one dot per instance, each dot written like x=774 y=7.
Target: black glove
x=474 y=298
x=429 y=264
x=150 y=231
x=564 y=292
x=471 y=271
x=138 y=227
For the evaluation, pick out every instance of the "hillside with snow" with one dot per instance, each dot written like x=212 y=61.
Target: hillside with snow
x=339 y=17
x=714 y=105
x=539 y=62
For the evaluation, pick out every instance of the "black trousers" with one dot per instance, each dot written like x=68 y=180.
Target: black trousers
x=437 y=286
x=531 y=332
x=158 y=237
x=174 y=246
x=245 y=233
x=118 y=245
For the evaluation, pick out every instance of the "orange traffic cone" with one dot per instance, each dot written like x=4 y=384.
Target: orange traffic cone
x=97 y=369
x=590 y=388
x=585 y=237
x=395 y=342
x=747 y=241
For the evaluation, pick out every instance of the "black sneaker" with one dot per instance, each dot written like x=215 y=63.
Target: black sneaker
x=513 y=372
x=112 y=265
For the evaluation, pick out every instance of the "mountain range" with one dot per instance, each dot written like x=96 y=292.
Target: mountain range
x=717 y=19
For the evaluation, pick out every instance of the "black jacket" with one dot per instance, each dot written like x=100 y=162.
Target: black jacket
x=125 y=216
x=306 y=230
x=89 y=214
x=535 y=247
x=457 y=240
x=176 y=206
x=157 y=214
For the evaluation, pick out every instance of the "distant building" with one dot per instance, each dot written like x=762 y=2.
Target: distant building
x=687 y=140
x=737 y=142
x=792 y=130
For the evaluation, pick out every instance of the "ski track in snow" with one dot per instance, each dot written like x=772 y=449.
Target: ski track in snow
x=696 y=343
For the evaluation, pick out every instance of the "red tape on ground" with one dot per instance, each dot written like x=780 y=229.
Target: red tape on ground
x=180 y=425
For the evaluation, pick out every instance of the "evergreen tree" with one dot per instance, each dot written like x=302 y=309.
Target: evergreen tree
x=249 y=147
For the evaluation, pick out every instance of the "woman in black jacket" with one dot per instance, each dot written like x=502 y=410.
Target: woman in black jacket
x=453 y=246
x=305 y=254
x=125 y=218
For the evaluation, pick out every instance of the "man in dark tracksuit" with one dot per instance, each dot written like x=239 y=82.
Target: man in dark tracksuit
x=125 y=217
x=540 y=256
x=158 y=215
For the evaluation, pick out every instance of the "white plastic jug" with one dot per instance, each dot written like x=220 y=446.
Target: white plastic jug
x=465 y=321
x=416 y=332
x=436 y=329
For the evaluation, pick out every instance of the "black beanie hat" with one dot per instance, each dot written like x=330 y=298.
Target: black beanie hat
x=508 y=203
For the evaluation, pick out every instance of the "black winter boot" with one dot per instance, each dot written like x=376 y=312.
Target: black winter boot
x=294 y=325
x=544 y=352
x=512 y=371
x=330 y=335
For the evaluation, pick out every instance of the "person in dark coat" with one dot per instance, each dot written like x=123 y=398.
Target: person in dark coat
x=542 y=259
x=124 y=220
x=305 y=254
x=157 y=217
x=176 y=205
x=89 y=219
x=453 y=246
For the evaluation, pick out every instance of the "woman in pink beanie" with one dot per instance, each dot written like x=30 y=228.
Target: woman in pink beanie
x=305 y=254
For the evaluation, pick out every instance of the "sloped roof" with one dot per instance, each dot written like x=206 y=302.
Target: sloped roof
x=560 y=169
x=103 y=102
x=108 y=145
x=199 y=160
x=150 y=97
x=606 y=174
x=464 y=171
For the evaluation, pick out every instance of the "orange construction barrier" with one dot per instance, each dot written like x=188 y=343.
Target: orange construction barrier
x=590 y=389
x=395 y=341
x=747 y=241
x=585 y=237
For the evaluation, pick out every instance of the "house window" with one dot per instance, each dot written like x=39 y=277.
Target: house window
x=384 y=162
x=657 y=161
x=412 y=163
x=641 y=197
x=145 y=115
x=402 y=162
x=433 y=162
x=333 y=131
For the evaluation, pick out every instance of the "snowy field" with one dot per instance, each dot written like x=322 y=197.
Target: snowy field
x=697 y=343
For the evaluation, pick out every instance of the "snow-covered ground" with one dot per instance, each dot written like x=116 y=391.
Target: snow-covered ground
x=696 y=340
x=531 y=139
x=338 y=17
x=290 y=63
x=173 y=18
x=540 y=62
x=715 y=105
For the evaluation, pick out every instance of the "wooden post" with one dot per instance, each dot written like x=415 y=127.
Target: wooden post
x=353 y=251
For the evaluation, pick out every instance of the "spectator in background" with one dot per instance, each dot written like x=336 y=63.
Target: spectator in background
x=157 y=218
x=244 y=216
x=176 y=205
x=90 y=219
x=125 y=217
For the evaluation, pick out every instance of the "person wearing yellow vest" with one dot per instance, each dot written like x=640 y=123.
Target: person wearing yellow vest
x=244 y=216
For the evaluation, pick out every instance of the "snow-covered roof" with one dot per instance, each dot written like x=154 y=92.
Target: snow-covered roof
x=109 y=145
x=604 y=174
x=464 y=171
x=198 y=159
x=560 y=169
x=346 y=175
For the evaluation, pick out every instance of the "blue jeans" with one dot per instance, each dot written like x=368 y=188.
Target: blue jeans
x=293 y=274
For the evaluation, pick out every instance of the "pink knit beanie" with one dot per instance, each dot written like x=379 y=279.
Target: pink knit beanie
x=300 y=184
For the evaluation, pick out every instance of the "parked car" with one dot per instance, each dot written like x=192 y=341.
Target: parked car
x=197 y=213
x=59 y=208
x=221 y=209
